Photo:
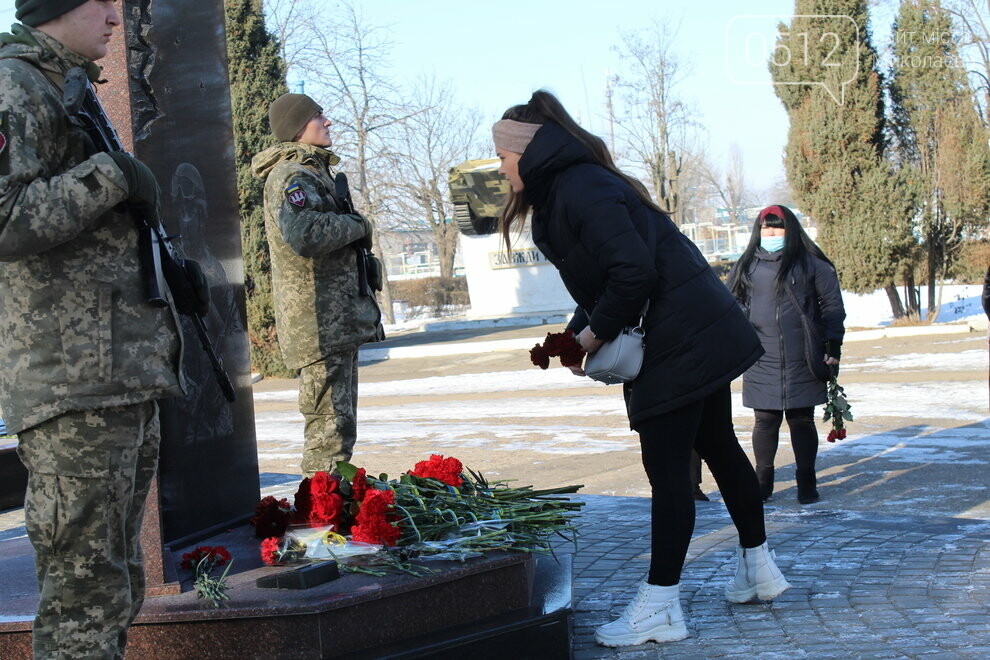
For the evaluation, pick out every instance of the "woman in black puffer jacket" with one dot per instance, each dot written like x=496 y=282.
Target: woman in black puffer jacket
x=615 y=249
x=792 y=294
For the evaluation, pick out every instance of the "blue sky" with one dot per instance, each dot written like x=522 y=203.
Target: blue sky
x=495 y=53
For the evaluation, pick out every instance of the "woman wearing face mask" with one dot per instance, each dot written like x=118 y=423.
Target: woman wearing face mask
x=791 y=292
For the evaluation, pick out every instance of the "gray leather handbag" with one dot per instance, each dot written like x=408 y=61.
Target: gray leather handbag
x=619 y=360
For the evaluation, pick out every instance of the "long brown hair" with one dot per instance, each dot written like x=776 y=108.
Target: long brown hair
x=541 y=108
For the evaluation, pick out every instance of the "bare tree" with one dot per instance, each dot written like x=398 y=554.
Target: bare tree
x=729 y=184
x=973 y=20
x=289 y=21
x=653 y=123
x=429 y=142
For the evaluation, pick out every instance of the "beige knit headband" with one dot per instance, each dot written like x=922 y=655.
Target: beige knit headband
x=512 y=135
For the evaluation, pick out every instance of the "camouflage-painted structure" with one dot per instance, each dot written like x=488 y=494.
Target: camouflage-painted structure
x=478 y=193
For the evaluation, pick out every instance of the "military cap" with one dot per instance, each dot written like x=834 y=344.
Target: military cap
x=39 y=12
x=289 y=114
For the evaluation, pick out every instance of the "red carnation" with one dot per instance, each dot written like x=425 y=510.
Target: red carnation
x=271 y=517
x=359 y=486
x=447 y=470
x=558 y=344
x=303 y=502
x=326 y=502
x=831 y=436
x=841 y=435
x=539 y=356
x=269 y=551
x=375 y=522
x=220 y=555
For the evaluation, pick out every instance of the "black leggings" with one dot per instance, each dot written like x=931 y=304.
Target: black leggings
x=804 y=436
x=666 y=441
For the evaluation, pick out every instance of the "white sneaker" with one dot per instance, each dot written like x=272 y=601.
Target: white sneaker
x=654 y=614
x=757 y=575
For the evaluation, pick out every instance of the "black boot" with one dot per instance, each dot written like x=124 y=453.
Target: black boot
x=765 y=476
x=807 y=486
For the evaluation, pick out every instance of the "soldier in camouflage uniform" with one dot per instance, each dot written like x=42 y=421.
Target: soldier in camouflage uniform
x=321 y=313
x=83 y=356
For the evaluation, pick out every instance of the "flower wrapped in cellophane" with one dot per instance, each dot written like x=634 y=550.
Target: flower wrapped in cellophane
x=434 y=511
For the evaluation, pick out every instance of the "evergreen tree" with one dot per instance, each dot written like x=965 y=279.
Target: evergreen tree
x=938 y=131
x=257 y=77
x=826 y=72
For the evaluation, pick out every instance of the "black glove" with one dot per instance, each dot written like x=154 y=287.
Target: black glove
x=833 y=348
x=375 y=271
x=142 y=187
x=366 y=240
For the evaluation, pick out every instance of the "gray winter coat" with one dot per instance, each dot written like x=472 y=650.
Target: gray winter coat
x=783 y=378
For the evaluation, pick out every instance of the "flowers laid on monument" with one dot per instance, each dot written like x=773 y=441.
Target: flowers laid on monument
x=447 y=470
x=202 y=561
x=435 y=511
x=558 y=344
x=271 y=517
x=837 y=409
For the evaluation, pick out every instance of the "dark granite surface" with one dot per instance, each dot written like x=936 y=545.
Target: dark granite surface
x=345 y=615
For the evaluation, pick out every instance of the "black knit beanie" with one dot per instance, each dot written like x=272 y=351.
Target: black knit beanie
x=290 y=113
x=39 y=12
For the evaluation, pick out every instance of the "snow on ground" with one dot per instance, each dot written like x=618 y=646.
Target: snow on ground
x=559 y=378
x=596 y=424
x=959 y=302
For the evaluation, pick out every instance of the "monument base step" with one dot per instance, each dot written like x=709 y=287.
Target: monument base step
x=506 y=601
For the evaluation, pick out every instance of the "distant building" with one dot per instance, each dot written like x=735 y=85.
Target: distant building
x=410 y=253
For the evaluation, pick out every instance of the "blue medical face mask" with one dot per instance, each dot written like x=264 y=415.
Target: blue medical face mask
x=772 y=243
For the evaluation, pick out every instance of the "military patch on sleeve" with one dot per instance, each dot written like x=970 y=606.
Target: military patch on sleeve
x=296 y=195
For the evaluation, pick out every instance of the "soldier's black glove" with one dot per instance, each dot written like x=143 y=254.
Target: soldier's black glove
x=366 y=240
x=833 y=349
x=142 y=187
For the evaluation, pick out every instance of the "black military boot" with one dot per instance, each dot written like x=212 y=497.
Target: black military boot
x=764 y=475
x=807 y=485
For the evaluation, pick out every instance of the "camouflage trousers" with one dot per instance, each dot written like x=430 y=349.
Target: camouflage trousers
x=328 y=391
x=88 y=478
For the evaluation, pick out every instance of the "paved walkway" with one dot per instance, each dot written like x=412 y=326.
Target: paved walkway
x=867 y=581
x=862 y=586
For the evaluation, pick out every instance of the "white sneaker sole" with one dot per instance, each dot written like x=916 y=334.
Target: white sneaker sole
x=665 y=634
x=764 y=590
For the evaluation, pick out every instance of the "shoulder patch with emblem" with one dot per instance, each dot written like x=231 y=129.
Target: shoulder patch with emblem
x=296 y=195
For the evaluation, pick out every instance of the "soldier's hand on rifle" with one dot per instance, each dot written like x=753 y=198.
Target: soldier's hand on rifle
x=142 y=187
x=366 y=240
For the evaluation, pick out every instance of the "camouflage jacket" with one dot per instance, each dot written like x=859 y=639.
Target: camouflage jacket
x=75 y=330
x=318 y=305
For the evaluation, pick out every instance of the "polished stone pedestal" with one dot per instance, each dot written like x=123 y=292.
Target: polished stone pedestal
x=502 y=604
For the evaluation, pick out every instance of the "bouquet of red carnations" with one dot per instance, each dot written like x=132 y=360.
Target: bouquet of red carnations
x=201 y=562
x=837 y=409
x=558 y=344
x=435 y=511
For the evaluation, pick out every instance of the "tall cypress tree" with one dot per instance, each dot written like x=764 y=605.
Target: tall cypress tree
x=257 y=77
x=825 y=67
x=939 y=132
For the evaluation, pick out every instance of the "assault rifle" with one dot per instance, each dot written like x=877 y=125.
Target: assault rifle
x=371 y=273
x=369 y=267
x=168 y=278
